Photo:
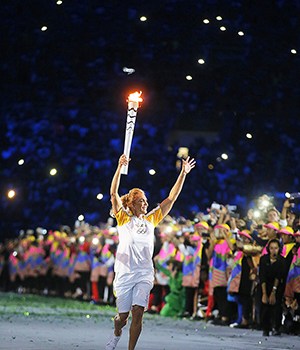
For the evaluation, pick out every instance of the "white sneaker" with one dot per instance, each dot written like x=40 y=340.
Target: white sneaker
x=112 y=343
x=233 y=325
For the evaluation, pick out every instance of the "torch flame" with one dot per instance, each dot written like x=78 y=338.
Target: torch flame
x=135 y=97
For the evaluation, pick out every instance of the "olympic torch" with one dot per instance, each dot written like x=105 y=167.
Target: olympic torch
x=133 y=105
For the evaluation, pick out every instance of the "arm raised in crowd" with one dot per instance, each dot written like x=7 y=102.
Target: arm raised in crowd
x=285 y=207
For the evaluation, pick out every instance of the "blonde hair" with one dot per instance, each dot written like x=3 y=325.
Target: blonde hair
x=128 y=199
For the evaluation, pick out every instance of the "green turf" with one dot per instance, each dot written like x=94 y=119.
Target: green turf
x=30 y=304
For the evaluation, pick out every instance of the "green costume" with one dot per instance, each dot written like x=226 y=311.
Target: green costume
x=175 y=300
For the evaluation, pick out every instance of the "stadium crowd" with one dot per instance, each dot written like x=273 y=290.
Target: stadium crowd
x=218 y=267
x=63 y=104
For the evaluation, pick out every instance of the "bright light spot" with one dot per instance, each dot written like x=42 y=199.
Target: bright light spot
x=287 y=194
x=168 y=229
x=99 y=196
x=293 y=51
x=265 y=203
x=219 y=18
x=143 y=18
x=201 y=61
x=223 y=28
x=183 y=152
x=188 y=77
x=249 y=136
x=58 y=2
x=95 y=241
x=44 y=28
x=11 y=194
x=81 y=217
x=256 y=214
x=26 y=313
x=112 y=230
x=224 y=156
x=206 y=21
x=15 y=253
x=88 y=316
x=53 y=172
x=81 y=239
x=240 y=33
x=21 y=161
x=210 y=166
x=152 y=172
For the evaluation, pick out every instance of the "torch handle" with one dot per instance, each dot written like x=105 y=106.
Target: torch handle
x=130 y=124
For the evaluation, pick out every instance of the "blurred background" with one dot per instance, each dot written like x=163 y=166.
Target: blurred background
x=220 y=82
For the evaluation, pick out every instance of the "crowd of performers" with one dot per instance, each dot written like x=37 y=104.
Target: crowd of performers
x=242 y=273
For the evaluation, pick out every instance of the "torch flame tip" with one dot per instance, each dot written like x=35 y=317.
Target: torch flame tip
x=135 y=97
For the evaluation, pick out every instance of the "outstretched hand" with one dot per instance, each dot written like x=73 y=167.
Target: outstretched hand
x=188 y=164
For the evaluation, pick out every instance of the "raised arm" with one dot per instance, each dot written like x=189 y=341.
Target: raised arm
x=230 y=244
x=166 y=205
x=115 y=183
x=284 y=210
